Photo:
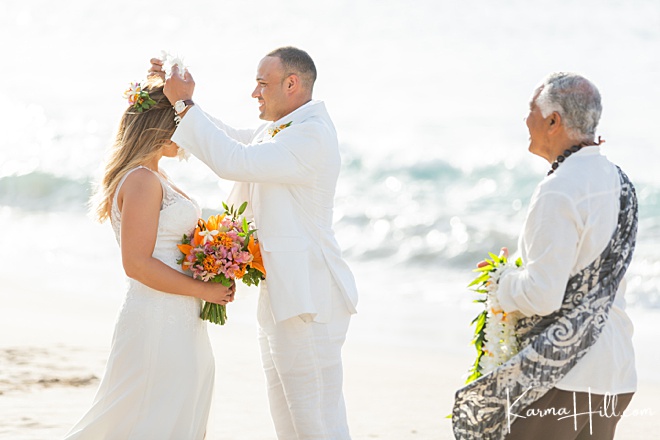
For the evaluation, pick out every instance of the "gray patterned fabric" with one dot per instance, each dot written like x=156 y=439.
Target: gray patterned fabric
x=550 y=345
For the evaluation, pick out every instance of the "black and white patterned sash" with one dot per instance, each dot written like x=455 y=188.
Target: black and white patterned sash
x=550 y=345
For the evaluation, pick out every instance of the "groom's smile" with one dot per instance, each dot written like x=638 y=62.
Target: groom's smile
x=278 y=92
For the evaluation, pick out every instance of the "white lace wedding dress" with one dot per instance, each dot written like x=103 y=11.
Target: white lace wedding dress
x=159 y=377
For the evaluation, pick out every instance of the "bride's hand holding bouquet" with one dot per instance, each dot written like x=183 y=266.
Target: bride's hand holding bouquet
x=222 y=249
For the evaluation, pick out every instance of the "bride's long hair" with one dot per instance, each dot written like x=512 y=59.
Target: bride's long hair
x=139 y=138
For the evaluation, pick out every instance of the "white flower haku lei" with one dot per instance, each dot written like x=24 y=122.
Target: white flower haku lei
x=495 y=338
x=170 y=61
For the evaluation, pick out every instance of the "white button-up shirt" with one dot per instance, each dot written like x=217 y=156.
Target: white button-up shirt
x=572 y=217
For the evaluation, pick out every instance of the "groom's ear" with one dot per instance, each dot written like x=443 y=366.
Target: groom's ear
x=292 y=82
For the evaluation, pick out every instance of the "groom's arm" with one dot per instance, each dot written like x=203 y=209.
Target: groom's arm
x=293 y=156
x=241 y=135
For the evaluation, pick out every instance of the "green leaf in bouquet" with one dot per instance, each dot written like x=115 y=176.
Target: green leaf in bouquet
x=222 y=279
x=241 y=209
x=245 y=225
x=224 y=205
x=252 y=277
x=519 y=262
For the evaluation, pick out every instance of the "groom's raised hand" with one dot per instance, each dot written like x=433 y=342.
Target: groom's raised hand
x=179 y=87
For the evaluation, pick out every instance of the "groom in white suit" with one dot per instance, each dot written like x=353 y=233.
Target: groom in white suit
x=287 y=170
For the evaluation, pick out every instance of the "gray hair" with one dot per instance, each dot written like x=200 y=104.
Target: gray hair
x=576 y=99
x=297 y=61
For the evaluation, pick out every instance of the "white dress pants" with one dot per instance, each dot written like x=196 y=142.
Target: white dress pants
x=302 y=363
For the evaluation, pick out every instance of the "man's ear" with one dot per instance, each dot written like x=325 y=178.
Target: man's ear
x=554 y=121
x=292 y=82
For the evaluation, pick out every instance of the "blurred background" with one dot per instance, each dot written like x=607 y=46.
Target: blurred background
x=428 y=99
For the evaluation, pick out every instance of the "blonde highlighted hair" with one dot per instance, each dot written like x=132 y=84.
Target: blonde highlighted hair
x=139 y=138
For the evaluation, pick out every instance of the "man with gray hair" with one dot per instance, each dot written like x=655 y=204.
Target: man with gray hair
x=575 y=372
x=287 y=171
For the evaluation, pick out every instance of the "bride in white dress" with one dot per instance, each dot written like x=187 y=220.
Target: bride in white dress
x=159 y=377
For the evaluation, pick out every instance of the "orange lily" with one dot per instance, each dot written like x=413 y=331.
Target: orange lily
x=185 y=248
x=198 y=239
x=257 y=261
x=214 y=222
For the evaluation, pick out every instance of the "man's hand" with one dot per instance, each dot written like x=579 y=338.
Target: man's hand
x=179 y=87
x=156 y=68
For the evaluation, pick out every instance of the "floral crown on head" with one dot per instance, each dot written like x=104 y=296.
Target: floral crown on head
x=139 y=98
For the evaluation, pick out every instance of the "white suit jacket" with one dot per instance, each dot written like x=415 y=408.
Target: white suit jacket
x=289 y=183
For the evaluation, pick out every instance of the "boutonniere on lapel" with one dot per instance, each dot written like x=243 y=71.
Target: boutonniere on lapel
x=273 y=131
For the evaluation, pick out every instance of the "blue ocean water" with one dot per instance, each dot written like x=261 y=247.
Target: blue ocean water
x=428 y=100
x=423 y=217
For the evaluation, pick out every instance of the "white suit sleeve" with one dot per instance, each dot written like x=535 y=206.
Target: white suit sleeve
x=292 y=156
x=550 y=237
x=241 y=135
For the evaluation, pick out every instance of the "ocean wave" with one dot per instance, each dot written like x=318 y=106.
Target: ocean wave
x=424 y=213
x=430 y=212
x=41 y=191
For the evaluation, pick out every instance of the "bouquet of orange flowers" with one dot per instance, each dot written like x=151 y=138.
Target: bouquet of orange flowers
x=222 y=249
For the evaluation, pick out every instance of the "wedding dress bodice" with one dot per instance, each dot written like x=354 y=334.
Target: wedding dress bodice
x=178 y=216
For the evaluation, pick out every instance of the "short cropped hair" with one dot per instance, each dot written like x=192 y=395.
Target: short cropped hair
x=576 y=99
x=297 y=61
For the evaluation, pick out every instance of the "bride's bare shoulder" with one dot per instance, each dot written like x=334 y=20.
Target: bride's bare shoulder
x=141 y=184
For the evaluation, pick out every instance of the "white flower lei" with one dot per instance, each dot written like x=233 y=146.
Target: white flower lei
x=495 y=337
x=501 y=343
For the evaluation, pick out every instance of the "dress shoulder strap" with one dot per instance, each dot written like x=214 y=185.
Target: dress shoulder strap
x=115 y=208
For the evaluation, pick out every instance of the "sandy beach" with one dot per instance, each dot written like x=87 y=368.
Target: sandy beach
x=403 y=361
x=53 y=350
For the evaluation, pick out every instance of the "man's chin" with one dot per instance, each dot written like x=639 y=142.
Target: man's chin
x=264 y=117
